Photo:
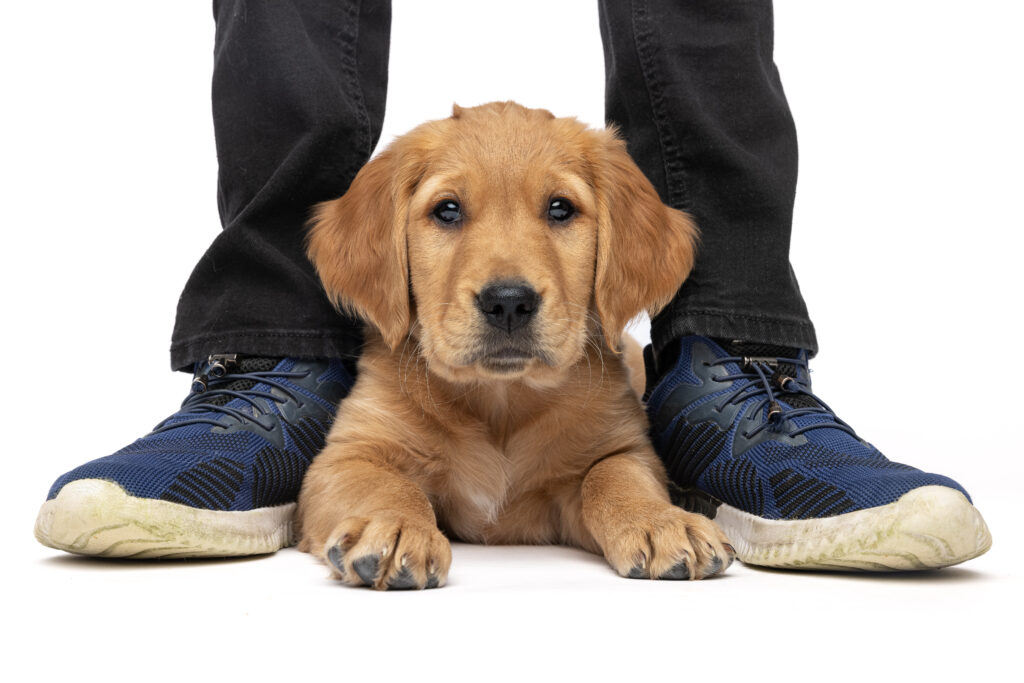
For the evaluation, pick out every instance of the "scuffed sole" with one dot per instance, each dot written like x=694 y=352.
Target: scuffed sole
x=927 y=528
x=96 y=517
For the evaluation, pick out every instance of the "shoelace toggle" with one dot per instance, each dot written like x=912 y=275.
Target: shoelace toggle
x=762 y=374
x=217 y=365
x=214 y=383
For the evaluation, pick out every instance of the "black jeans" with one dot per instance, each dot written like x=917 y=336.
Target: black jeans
x=298 y=104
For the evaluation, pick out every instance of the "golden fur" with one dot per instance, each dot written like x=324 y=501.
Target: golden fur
x=436 y=433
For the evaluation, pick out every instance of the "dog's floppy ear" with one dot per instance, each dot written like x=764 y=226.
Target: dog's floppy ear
x=644 y=249
x=357 y=244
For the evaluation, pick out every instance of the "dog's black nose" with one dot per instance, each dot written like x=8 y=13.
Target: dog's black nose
x=508 y=305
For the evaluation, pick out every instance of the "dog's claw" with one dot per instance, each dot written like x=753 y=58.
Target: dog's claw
x=403 y=580
x=678 y=572
x=638 y=572
x=335 y=556
x=432 y=581
x=366 y=567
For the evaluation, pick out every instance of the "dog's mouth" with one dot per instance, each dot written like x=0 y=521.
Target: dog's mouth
x=508 y=354
x=485 y=353
x=508 y=359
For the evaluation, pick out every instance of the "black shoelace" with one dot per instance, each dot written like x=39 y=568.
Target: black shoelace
x=210 y=394
x=766 y=380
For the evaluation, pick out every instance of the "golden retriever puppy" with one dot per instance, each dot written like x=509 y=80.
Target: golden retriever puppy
x=497 y=256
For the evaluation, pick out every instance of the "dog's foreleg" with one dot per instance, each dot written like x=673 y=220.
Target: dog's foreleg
x=370 y=523
x=625 y=506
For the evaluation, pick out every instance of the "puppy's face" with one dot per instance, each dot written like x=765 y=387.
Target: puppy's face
x=500 y=239
x=502 y=236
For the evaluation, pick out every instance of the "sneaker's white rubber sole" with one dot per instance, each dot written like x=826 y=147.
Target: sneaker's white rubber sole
x=97 y=517
x=927 y=528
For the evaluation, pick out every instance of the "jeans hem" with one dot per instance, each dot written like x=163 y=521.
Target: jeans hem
x=750 y=327
x=309 y=344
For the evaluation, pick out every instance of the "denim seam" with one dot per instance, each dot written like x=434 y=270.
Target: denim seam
x=675 y=169
x=350 y=66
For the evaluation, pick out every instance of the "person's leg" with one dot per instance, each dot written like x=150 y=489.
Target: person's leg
x=298 y=101
x=693 y=88
x=298 y=104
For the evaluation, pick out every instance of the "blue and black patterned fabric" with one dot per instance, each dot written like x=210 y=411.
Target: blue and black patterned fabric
x=241 y=441
x=742 y=426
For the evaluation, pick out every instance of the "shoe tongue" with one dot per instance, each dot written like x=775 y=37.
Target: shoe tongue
x=243 y=365
x=746 y=349
x=738 y=347
x=257 y=364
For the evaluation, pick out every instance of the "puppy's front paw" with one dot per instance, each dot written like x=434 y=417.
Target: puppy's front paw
x=388 y=552
x=665 y=542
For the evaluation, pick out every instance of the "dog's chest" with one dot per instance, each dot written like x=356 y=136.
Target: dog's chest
x=478 y=484
x=492 y=482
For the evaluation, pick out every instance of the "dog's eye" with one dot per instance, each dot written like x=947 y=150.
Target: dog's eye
x=560 y=210
x=448 y=211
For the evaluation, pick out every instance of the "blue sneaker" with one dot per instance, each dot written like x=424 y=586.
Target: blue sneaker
x=218 y=478
x=791 y=484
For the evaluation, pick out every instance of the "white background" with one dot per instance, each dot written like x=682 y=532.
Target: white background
x=908 y=247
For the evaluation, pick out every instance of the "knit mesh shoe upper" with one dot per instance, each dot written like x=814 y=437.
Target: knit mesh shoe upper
x=243 y=440
x=746 y=430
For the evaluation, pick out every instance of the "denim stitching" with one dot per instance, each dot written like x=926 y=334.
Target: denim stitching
x=750 y=316
x=675 y=170
x=350 y=66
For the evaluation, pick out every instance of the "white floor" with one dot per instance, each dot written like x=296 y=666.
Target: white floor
x=510 y=613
